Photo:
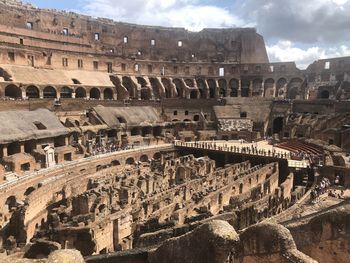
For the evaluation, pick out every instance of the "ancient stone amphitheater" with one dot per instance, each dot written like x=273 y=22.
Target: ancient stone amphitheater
x=135 y=144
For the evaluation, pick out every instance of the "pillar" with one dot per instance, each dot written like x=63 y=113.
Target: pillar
x=41 y=93
x=239 y=88
x=250 y=88
x=4 y=151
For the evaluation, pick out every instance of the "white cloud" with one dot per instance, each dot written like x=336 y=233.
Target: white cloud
x=306 y=21
x=287 y=51
x=176 y=13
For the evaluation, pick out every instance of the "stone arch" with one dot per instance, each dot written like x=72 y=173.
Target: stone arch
x=144 y=158
x=157 y=156
x=80 y=92
x=257 y=90
x=66 y=93
x=50 y=92
x=277 y=125
x=108 y=94
x=294 y=88
x=234 y=84
x=32 y=92
x=130 y=160
x=179 y=87
x=130 y=86
x=11 y=201
x=29 y=190
x=95 y=93
x=245 y=90
x=146 y=94
x=269 y=88
x=202 y=87
x=115 y=163
x=280 y=87
x=323 y=94
x=13 y=91
x=223 y=87
x=212 y=88
x=168 y=87
x=157 y=89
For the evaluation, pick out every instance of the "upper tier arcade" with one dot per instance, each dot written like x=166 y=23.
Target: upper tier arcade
x=62 y=31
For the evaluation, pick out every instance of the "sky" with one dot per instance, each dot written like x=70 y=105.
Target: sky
x=294 y=30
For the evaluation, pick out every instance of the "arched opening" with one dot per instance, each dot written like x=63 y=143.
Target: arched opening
x=144 y=158
x=202 y=87
x=324 y=94
x=168 y=87
x=146 y=131
x=157 y=156
x=178 y=86
x=277 y=125
x=95 y=93
x=212 y=88
x=281 y=83
x=32 y=92
x=11 y=201
x=108 y=94
x=146 y=94
x=245 y=88
x=130 y=161
x=13 y=91
x=257 y=90
x=66 y=93
x=29 y=191
x=50 y=93
x=269 y=88
x=130 y=86
x=135 y=131
x=193 y=94
x=101 y=208
x=241 y=188
x=115 y=163
x=294 y=87
x=223 y=87
x=80 y=93
x=293 y=93
x=158 y=92
x=234 y=88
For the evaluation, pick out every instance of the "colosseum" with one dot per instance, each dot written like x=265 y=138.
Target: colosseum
x=123 y=143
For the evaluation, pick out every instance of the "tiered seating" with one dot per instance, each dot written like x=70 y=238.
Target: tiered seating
x=299 y=147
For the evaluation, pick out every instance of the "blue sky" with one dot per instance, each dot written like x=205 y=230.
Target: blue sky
x=300 y=31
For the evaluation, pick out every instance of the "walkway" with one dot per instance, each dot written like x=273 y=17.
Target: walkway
x=17 y=179
x=261 y=148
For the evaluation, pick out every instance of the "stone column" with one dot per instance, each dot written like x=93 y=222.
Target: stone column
x=4 y=151
x=22 y=148
x=250 y=88
x=239 y=88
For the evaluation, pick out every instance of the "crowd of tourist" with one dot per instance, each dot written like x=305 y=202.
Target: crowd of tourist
x=323 y=187
x=98 y=149
x=254 y=150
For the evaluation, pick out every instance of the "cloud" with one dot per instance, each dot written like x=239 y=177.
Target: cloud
x=307 y=21
x=287 y=51
x=190 y=14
